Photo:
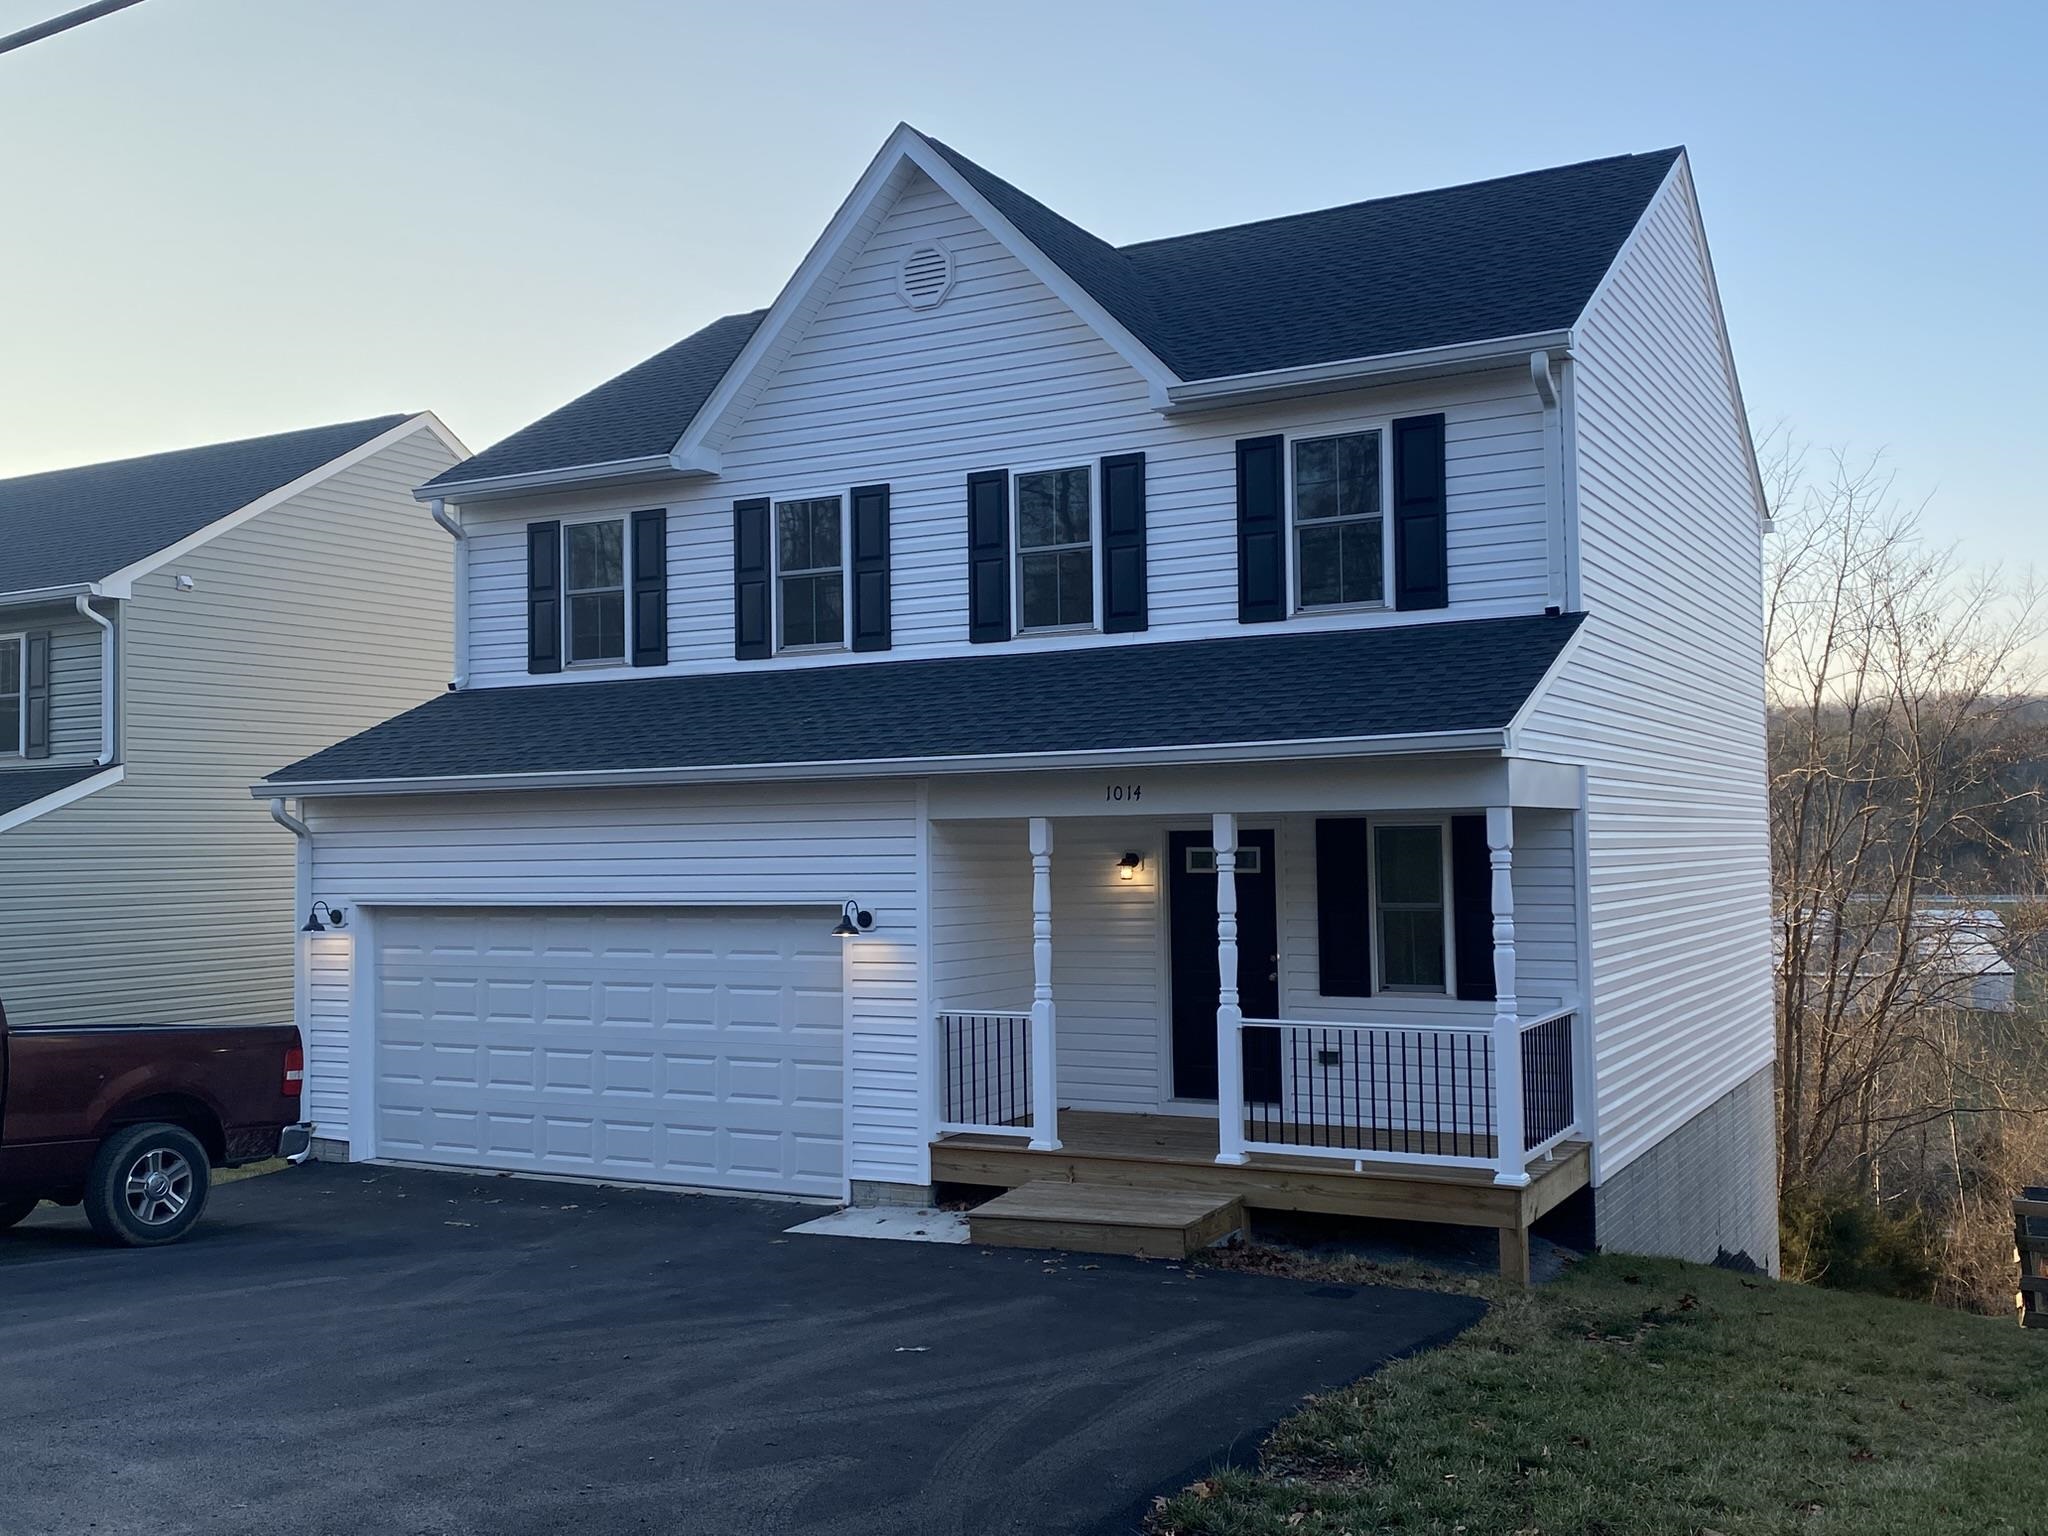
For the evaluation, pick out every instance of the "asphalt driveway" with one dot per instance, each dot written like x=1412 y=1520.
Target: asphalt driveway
x=355 y=1349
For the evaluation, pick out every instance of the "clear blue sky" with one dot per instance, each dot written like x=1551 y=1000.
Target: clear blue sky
x=225 y=217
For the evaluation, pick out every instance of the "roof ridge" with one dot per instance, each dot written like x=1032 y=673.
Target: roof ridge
x=392 y=419
x=1399 y=197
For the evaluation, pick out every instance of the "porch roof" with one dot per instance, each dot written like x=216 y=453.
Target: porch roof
x=1254 y=691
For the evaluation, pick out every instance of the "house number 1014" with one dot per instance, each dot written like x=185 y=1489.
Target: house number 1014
x=1123 y=791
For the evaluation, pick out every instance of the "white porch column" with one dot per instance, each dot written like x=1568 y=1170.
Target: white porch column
x=1229 y=1053
x=1045 y=1076
x=1507 y=1021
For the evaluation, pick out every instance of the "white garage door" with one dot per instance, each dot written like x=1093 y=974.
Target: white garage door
x=672 y=1046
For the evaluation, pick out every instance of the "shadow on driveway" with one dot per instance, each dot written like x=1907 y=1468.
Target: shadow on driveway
x=358 y=1349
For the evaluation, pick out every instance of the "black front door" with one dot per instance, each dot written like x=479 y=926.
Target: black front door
x=1191 y=905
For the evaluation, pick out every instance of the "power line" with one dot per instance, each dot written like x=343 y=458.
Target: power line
x=64 y=23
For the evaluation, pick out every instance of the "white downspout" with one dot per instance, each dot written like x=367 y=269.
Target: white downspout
x=1540 y=375
x=453 y=524
x=84 y=603
x=302 y=901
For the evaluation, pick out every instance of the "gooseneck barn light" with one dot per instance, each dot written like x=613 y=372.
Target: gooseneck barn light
x=853 y=921
x=337 y=917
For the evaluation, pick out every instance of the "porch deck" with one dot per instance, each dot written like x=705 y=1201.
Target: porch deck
x=1179 y=1152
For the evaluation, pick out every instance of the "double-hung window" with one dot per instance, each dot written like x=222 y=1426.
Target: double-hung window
x=1410 y=909
x=1340 y=538
x=594 y=563
x=12 y=671
x=1055 y=549
x=810 y=573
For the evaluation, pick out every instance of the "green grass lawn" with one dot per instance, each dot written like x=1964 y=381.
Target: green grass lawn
x=1640 y=1396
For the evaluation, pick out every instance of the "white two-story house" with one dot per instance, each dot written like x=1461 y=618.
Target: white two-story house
x=1277 y=709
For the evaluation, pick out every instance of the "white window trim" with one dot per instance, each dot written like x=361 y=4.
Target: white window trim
x=1094 y=625
x=20 y=747
x=625 y=657
x=1379 y=942
x=1384 y=426
x=844 y=496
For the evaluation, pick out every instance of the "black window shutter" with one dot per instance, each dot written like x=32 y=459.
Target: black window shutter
x=750 y=641
x=650 y=588
x=1343 y=908
x=544 y=597
x=1472 y=908
x=1123 y=543
x=988 y=555
x=1261 y=530
x=871 y=568
x=1421 y=529
x=35 y=695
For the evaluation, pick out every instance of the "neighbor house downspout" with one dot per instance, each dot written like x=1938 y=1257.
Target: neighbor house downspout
x=84 y=604
x=460 y=678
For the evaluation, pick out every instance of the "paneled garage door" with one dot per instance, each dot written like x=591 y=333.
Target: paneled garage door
x=671 y=1046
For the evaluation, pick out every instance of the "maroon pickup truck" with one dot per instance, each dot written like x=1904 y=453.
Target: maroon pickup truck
x=131 y=1121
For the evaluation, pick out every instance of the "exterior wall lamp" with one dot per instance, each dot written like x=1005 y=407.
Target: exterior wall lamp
x=853 y=921
x=1128 y=866
x=337 y=917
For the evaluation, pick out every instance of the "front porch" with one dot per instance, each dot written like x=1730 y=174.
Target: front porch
x=1239 y=1005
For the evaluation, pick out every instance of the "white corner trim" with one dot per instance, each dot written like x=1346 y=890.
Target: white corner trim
x=57 y=799
x=121 y=583
x=852 y=222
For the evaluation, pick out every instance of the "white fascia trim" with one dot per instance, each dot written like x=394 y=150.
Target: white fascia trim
x=655 y=466
x=122 y=582
x=32 y=597
x=1489 y=742
x=58 y=799
x=1550 y=675
x=706 y=429
x=1390 y=367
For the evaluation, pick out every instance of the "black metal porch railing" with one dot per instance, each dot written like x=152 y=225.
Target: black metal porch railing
x=1548 y=1110
x=1412 y=1093
x=985 y=1067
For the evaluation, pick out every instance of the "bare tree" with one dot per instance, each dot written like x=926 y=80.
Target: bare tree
x=1907 y=744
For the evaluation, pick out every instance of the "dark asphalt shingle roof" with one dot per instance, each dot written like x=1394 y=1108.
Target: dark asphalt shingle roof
x=637 y=415
x=19 y=786
x=65 y=527
x=1491 y=259
x=1405 y=680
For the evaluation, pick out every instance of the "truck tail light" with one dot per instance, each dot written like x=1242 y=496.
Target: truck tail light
x=294 y=1072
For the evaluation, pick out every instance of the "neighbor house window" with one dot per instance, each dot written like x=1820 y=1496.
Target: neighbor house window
x=10 y=695
x=1339 y=530
x=810 y=573
x=1408 y=899
x=594 y=589
x=1055 y=550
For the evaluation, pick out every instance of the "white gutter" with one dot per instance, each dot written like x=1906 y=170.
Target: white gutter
x=460 y=678
x=1340 y=747
x=31 y=596
x=653 y=466
x=1391 y=367
x=83 y=602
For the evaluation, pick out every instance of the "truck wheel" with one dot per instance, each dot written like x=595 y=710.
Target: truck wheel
x=148 y=1185
x=12 y=1211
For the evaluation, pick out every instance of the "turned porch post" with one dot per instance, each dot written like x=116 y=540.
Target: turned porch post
x=1507 y=1021
x=1229 y=1014
x=1045 y=1077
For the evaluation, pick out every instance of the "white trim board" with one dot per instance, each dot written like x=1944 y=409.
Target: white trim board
x=57 y=799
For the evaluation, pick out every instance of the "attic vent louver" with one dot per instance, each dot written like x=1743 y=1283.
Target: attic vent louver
x=926 y=276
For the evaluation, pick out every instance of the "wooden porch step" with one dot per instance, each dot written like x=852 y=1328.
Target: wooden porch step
x=1103 y=1218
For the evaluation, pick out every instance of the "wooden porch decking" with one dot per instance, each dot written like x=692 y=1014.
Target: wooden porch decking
x=1178 y=1152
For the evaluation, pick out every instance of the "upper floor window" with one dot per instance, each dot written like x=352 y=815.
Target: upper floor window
x=1409 y=885
x=1340 y=532
x=594 y=561
x=1055 y=550
x=810 y=573
x=11 y=712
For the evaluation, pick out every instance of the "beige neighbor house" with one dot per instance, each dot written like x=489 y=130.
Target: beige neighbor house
x=170 y=627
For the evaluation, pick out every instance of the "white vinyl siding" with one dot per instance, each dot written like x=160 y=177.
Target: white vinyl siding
x=1663 y=699
x=1002 y=375
x=798 y=846
x=168 y=898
